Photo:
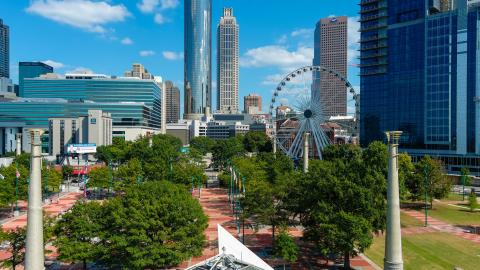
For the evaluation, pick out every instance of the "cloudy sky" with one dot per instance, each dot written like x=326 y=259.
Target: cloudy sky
x=276 y=36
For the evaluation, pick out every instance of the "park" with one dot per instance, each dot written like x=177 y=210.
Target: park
x=156 y=208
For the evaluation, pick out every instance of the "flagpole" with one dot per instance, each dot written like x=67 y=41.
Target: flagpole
x=16 y=213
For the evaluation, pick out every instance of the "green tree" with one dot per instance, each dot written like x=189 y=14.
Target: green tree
x=285 y=247
x=256 y=141
x=80 y=233
x=23 y=160
x=468 y=179
x=341 y=200
x=406 y=173
x=54 y=178
x=117 y=152
x=128 y=174
x=437 y=185
x=157 y=224
x=472 y=201
x=67 y=171
x=203 y=144
x=99 y=178
x=226 y=150
x=7 y=192
x=16 y=246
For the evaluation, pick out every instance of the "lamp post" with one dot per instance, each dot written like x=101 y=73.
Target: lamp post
x=34 y=249
x=393 y=241
x=18 y=149
x=16 y=213
x=425 y=172
x=46 y=183
x=463 y=185
x=110 y=176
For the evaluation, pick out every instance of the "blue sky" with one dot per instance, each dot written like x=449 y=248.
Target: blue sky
x=108 y=36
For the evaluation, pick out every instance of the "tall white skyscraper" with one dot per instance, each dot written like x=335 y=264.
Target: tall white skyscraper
x=227 y=63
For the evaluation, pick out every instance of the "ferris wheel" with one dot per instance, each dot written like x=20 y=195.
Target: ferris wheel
x=298 y=112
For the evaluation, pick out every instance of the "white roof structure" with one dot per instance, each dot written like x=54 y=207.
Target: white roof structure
x=233 y=256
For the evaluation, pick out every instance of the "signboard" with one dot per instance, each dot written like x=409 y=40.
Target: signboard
x=89 y=148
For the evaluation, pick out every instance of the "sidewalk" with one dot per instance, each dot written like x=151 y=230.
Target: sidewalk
x=440 y=226
x=216 y=206
x=55 y=208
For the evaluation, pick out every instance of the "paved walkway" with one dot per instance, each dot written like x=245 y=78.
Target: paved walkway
x=55 y=208
x=435 y=225
x=215 y=204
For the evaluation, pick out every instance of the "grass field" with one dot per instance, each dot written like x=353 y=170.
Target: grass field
x=431 y=251
x=408 y=221
x=454 y=215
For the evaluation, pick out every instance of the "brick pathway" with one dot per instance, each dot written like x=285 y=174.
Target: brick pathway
x=215 y=205
x=53 y=209
x=440 y=226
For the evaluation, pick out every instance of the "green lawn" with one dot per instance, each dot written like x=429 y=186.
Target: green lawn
x=408 y=221
x=454 y=215
x=431 y=251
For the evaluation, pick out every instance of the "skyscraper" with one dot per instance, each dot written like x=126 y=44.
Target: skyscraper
x=419 y=74
x=227 y=63
x=4 y=51
x=139 y=71
x=252 y=104
x=198 y=54
x=31 y=70
x=331 y=52
x=172 y=102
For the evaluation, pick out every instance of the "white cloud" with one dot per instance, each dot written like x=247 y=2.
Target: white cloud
x=172 y=55
x=54 y=64
x=88 y=15
x=283 y=39
x=147 y=53
x=277 y=56
x=127 y=41
x=167 y=4
x=274 y=79
x=303 y=32
x=159 y=18
x=148 y=6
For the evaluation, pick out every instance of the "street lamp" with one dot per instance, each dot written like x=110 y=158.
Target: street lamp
x=17 y=175
x=425 y=171
x=463 y=183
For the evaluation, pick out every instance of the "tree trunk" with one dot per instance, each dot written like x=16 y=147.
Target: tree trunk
x=273 y=236
x=84 y=264
x=346 y=260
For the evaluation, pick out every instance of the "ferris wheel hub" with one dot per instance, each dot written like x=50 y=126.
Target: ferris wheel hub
x=308 y=113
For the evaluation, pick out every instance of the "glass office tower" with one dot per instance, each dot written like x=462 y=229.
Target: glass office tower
x=31 y=70
x=198 y=54
x=99 y=89
x=419 y=66
x=4 y=50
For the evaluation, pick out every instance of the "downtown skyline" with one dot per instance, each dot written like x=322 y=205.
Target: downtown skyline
x=137 y=35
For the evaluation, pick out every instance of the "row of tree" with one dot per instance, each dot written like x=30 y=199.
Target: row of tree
x=340 y=202
x=13 y=188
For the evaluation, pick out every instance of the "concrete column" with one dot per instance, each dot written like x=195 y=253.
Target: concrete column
x=34 y=251
x=18 y=149
x=150 y=140
x=274 y=144
x=306 y=149
x=393 y=241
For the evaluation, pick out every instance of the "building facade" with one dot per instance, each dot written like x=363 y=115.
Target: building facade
x=252 y=104
x=197 y=61
x=31 y=70
x=94 y=128
x=99 y=88
x=419 y=74
x=139 y=71
x=4 y=50
x=172 y=102
x=227 y=63
x=331 y=52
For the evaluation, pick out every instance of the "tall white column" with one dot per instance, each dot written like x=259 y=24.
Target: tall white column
x=393 y=241
x=34 y=251
x=306 y=149
x=18 y=149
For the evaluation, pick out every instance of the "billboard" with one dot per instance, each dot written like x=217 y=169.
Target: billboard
x=88 y=148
